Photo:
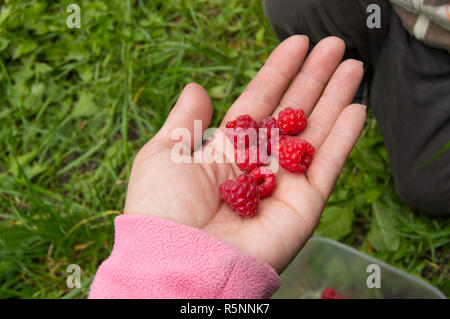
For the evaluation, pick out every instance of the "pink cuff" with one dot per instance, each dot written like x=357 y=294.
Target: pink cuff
x=158 y=258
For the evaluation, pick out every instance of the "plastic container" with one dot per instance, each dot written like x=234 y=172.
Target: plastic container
x=324 y=262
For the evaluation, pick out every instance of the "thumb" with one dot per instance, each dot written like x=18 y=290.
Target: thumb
x=193 y=104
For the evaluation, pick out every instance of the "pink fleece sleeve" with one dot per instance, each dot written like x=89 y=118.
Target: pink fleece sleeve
x=157 y=258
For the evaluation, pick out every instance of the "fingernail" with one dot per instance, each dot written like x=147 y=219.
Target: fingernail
x=362 y=63
x=364 y=106
x=306 y=37
x=187 y=86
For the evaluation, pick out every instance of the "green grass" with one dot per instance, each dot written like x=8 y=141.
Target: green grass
x=76 y=105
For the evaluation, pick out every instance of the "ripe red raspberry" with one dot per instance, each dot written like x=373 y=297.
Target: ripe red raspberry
x=244 y=178
x=242 y=196
x=295 y=154
x=249 y=159
x=265 y=179
x=330 y=293
x=291 y=122
x=265 y=133
x=243 y=128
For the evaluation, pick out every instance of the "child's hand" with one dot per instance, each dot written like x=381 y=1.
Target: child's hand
x=188 y=193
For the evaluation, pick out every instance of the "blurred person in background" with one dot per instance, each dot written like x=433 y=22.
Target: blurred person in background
x=405 y=46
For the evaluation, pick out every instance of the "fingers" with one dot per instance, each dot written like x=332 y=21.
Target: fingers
x=193 y=104
x=331 y=156
x=265 y=90
x=337 y=95
x=309 y=83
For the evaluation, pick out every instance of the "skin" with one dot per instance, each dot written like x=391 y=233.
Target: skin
x=323 y=87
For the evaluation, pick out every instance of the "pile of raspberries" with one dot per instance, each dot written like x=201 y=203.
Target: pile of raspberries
x=258 y=181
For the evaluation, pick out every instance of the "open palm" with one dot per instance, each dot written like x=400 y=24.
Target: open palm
x=188 y=193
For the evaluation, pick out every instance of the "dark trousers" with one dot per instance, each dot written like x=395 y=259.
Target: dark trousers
x=410 y=88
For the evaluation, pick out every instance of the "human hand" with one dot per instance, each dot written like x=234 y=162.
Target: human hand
x=188 y=193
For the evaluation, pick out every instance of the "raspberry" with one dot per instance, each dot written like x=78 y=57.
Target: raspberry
x=265 y=179
x=241 y=129
x=265 y=132
x=249 y=159
x=291 y=122
x=295 y=154
x=244 y=178
x=330 y=293
x=242 y=196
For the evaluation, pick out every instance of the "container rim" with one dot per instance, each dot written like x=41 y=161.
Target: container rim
x=374 y=260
